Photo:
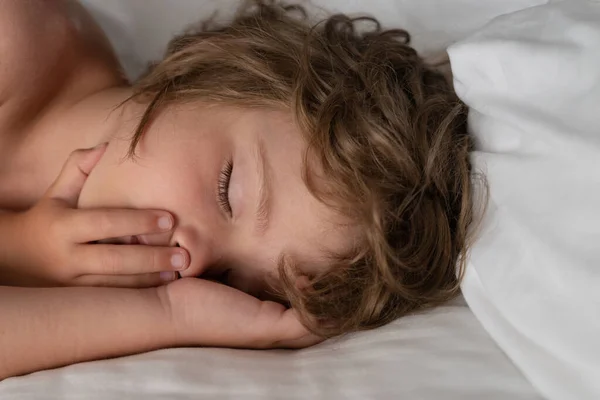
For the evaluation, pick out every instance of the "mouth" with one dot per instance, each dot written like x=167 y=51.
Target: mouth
x=135 y=239
x=222 y=277
x=121 y=240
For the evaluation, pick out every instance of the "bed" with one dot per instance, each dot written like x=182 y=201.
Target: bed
x=445 y=353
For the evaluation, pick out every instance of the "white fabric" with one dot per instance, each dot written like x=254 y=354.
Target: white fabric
x=140 y=29
x=532 y=82
x=442 y=354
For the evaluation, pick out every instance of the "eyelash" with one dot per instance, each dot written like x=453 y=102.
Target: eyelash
x=223 y=188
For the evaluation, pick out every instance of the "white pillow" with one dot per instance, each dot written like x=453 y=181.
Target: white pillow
x=140 y=29
x=532 y=82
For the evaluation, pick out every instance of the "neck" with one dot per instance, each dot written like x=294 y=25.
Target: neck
x=36 y=160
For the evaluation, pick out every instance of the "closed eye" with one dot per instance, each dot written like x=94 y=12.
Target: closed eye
x=223 y=188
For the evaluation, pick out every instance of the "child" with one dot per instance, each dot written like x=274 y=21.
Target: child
x=323 y=167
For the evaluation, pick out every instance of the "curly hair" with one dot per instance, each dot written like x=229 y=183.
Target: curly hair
x=389 y=134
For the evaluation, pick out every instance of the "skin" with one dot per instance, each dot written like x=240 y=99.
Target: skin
x=59 y=85
x=177 y=169
x=178 y=166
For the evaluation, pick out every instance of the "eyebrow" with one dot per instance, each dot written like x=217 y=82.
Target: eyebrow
x=263 y=206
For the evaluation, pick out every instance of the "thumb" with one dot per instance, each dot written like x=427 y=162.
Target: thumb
x=75 y=171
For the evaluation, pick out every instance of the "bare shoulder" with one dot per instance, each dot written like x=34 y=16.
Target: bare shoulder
x=45 y=45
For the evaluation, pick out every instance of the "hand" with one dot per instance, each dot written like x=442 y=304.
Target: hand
x=206 y=313
x=51 y=243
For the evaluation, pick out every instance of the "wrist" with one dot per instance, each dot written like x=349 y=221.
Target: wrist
x=178 y=323
x=170 y=329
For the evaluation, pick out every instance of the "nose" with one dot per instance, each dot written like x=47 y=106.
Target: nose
x=203 y=254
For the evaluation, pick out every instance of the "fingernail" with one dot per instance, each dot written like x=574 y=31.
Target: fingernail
x=177 y=261
x=165 y=223
x=168 y=276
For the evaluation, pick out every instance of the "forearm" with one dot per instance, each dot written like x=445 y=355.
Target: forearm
x=53 y=327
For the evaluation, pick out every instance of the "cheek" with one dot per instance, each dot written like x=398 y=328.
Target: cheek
x=173 y=186
x=174 y=178
x=107 y=183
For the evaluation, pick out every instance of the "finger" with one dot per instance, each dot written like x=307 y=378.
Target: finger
x=300 y=343
x=278 y=327
x=90 y=225
x=290 y=332
x=126 y=281
x=75 y=171
x=107 y=259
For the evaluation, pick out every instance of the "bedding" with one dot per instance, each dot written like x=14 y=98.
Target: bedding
x=140 y=29
x=532 y=82
x=443 y=353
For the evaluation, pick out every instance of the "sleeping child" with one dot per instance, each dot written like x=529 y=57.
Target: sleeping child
x=269 y=183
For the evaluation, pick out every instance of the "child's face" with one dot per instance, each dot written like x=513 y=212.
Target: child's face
x=179 y=167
